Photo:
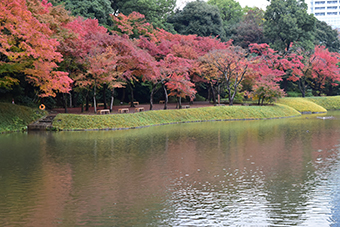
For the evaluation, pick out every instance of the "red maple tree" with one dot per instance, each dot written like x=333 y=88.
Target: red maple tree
x=26 y=47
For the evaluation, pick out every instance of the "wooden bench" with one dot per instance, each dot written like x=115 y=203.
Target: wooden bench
x=134 y=103
x=139 y=109
x=161 y=101
x=106 y=111
x=123 y=110
x=100 y=104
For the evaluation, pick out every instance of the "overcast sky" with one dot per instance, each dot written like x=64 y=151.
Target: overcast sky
x=259 y=3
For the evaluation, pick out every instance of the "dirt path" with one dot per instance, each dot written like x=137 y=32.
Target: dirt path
x=77 y=110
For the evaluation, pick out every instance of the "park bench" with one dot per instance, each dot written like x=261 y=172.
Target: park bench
x=106 y=111
x=161 y=101
x=123 y=110
x=139 y=109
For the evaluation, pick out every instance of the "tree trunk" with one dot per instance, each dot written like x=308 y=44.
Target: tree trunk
x=132 y=98
x=94 y=98
x=87 y=100
x=166 y=97
x=213 y=94
x=209 y=94
x=219 y=94
x=123 y=95
x=180 y=102
x=151 y=95
x=104 y=96
x=70 y=99
x=112 y=99
x=65 y=103
x=302 y=87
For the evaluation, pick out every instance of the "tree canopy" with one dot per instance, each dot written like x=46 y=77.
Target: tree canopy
x=287 y=22
x=198 y=18
x=155 y=11
x=326 y=36
x=95 y=9
x=231 y=13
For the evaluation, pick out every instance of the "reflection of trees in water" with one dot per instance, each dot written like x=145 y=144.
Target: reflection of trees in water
x=335 y=194
x=258 y=172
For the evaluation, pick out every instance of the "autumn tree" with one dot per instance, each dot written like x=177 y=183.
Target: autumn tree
x=268 y=68
x=180 y=87
x=26 y=47
x=319 y=67
x=232 y=64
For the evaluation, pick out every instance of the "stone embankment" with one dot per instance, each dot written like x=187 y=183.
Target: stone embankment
x=42 y=124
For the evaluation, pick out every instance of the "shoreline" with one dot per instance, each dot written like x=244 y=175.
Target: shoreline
x=198 y=112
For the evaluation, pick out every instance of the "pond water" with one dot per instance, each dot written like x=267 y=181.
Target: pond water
x=242 y=173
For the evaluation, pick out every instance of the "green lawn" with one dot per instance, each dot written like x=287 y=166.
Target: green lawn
x=156 y=117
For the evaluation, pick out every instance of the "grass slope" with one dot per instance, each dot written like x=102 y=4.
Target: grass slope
x=148 y=118
x=329 y=102
x=15 y=117
x=302 y=105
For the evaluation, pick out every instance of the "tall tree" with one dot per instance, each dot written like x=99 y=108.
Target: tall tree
x=287 y=22
x=231 y=13
x=250 y=29
x=326 y=36
x=268 y=68
x=155 y=11
x=198 y=18
x=26 y=47
x=95 y=9
x=231 y=64
x=319 y=68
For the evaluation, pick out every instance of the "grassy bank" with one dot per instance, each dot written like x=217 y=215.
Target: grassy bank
x=15 y=117
x=148 y=118
x=328 y=102
x=303 y=105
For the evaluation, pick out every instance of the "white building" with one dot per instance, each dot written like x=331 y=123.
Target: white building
x=327 y=11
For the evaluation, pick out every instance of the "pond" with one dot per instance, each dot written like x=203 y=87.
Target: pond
x=239 y=173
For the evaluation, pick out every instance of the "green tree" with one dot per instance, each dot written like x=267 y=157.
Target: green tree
x=95 y=9
x=326 y=36
x=250 y=29
x=155 y=11
x=231 y=13
x=198 y=18
x=286 y=22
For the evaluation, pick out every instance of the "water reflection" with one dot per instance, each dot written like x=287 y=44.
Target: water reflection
x=263 y=173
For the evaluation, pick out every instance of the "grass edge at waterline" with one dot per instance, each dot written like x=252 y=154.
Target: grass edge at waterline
x=327 y=102
x=303 y=105
x=70 y=122
x=16 y=117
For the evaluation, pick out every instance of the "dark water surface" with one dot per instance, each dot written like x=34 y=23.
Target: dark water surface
x=247 y=173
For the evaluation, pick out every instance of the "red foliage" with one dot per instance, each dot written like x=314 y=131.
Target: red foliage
x=28 y=43
x=321 y=66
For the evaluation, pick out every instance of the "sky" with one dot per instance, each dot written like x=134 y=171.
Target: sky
x=259 y=3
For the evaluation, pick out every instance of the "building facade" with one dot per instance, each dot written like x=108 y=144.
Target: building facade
x=327 y=11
